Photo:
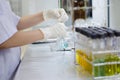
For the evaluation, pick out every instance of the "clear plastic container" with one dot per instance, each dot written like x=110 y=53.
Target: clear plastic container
x=97 y=51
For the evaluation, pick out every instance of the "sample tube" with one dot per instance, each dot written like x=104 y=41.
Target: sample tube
x=110 y=38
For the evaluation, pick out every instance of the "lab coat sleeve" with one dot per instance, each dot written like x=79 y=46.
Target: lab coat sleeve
x=7 y=27
x=16 y=18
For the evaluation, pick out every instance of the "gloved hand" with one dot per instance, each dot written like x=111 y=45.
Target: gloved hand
x=57 y=14
x=55 y=31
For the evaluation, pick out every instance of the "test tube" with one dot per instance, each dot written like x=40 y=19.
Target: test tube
x=110 y=38
x=87 y=55
x=101 y=38
x=117 y=34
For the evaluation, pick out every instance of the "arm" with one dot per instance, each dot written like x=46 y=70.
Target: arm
x=58 y=14
x=22 y=38
x=31 y=20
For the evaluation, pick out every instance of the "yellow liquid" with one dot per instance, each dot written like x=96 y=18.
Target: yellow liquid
x=81 y=60
x=112 y=69
x=105 y=70
x=118 y=68
x=109 y=70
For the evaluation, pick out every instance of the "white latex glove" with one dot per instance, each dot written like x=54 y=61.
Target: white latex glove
x=55 y=31
x=58 y=14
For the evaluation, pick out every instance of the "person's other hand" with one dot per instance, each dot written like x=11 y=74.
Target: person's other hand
x=55 y=31
x=57 y=14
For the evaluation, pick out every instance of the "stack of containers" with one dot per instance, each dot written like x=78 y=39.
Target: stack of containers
x=97 y=51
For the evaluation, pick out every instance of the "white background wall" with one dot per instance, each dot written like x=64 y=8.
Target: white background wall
x=100 y=12
x=33 y=6
x=115 y=14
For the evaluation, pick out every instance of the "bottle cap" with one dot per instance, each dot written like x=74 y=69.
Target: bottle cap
x=109 y=31
x=117 y=33
x=99 y=32
x=86 y=32
x=92 y=33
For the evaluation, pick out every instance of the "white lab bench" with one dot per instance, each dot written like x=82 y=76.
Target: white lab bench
x=40 y=63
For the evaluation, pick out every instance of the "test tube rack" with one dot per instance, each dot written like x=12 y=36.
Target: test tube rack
x=96 y=56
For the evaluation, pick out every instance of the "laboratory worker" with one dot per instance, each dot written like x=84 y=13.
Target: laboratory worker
x=12 y=36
